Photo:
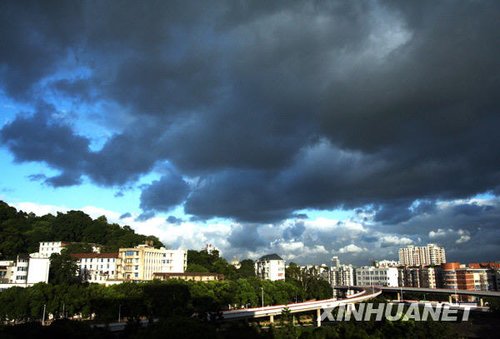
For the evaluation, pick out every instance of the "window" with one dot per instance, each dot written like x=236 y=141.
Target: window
x=129 y=253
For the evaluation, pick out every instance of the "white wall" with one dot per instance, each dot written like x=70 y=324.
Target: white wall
x=174 y=261
x=38 y=270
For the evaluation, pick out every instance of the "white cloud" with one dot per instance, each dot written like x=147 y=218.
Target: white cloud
x=351 y=249
x=391 y=240
x=439 y=233
x=464 y=236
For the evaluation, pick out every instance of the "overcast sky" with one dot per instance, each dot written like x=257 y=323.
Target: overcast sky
x=309 y=129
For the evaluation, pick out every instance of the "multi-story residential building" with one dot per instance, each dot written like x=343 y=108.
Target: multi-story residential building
x=341 y=275
x=417 y=276
x=382 y=276
x=270 y=267
x=427 y=276
x=141 y=262
x=97 y=267
x=408 y=276
x=430 y=254
x=457 y=276
x=24 y=271
x=7 y=270
x=47 y=248
x=492 y=272
x=335 y=262
x=21 y=270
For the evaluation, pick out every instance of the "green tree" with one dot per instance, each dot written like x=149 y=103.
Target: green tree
x=247 y=268
x=63 y=269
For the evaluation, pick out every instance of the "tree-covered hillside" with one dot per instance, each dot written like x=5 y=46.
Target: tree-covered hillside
x=21 y=232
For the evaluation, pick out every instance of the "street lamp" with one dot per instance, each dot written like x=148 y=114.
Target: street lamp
x=262 y=295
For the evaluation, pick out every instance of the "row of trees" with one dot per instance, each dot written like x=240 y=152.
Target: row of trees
x=306 y=283
x=135 y=300
x=21 y=232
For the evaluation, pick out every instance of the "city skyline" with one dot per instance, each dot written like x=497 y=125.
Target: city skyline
x=307 y=130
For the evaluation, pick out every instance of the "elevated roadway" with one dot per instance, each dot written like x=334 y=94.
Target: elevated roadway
x=363 y=294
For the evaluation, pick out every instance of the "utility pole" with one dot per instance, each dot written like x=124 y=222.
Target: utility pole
x=43 y=314
x=119 y=312
x=63 y=311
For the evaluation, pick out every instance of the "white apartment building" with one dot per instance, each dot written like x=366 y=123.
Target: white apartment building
x=430 y=254
x=24 y=271
x=97 y=267
x=47 y=248
x=382 y=276
x=141 y=262
x=341 y=275
x=21 y=270
x=270 y=267
x=345 y=275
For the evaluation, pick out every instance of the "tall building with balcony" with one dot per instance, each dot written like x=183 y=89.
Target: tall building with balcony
x=141 y=262
x=270 y=267
x=97 y=267
x=341 y=275
x=417 y=276
x=430 y=254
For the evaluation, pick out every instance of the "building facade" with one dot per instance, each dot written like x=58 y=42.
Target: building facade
x=381 y=276
x=430 y=254
x=141 y=262
x=47 y=248
x=270 y=267
x=97 y=267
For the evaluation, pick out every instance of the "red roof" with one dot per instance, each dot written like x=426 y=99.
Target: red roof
x=95 y=255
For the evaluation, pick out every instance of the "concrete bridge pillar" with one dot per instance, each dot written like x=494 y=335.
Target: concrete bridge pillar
x=271 y=319
x=449 y=299
x=481 y=302
x=399 y=296
x=318 y=317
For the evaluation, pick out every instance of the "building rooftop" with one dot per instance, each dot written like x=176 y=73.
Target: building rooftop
x=273 y=256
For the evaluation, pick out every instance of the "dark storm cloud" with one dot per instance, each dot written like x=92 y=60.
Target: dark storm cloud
x=125 y=215
x=41 y=137
x=294 y=231
x=145 y=216
x=75 y=88
x=270 y=108
x=472 y=209
x=37 y=177
x=64 y=179
x=36 y=37
x=246 y=237
x=165 y=193
x=401 y=211
x=174 y=220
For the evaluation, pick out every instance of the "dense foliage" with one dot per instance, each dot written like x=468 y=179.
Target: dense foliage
x=21 y=232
